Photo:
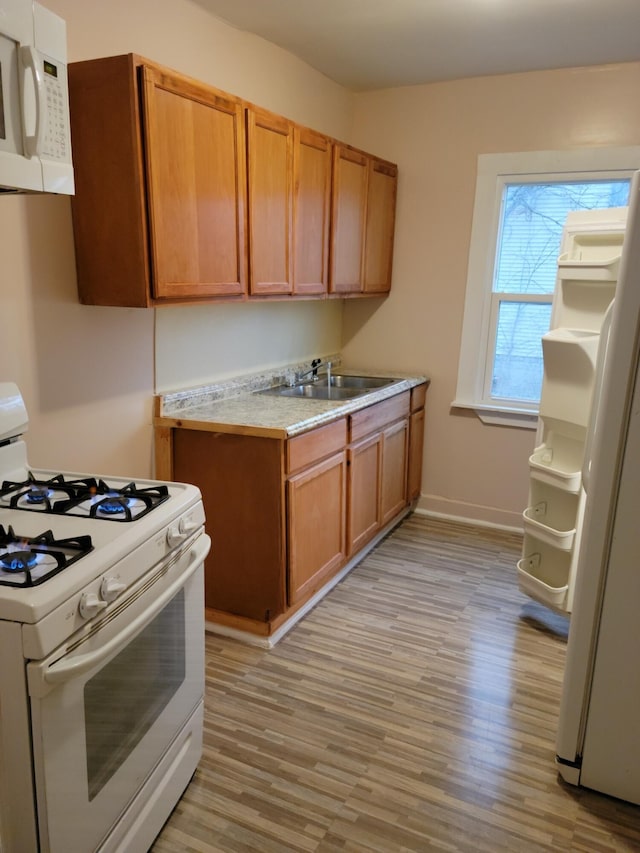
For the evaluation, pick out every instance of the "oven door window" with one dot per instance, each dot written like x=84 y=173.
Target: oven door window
x=124 y=699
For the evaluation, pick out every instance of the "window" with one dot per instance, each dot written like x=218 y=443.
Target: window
x=522 y=201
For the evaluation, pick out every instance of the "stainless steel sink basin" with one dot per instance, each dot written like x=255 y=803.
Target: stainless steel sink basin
x=364 y=382
x=341 y=387
x=314 y=391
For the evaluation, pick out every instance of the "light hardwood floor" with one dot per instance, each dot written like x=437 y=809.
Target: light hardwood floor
x=414 y=709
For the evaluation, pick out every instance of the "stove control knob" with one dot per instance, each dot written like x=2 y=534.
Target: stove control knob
x=187 y=526
x=174 y=536
x=91 y=605
x=110 y=589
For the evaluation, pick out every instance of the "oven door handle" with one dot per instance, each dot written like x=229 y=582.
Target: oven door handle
x=61 y=672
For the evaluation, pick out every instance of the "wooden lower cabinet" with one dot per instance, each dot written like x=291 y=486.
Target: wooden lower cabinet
x=240 y=478
x=285 y=515
x=393 y=485
x=416 y=441
x=365 y=459
x=377 y=482
x=316 y=535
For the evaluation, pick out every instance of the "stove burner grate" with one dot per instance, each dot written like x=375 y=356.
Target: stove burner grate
x=21 y=557
x=88 y=497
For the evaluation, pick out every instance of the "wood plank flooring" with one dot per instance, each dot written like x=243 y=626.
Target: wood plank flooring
x=414 y=709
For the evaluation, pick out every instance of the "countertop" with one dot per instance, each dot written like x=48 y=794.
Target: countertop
x=237 y=406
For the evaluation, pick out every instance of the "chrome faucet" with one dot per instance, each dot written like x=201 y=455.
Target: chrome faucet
x=313 y=371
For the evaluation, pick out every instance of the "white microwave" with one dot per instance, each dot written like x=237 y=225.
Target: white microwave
x=35 y=137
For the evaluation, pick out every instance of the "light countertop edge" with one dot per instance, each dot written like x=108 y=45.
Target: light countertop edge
x=252 y=413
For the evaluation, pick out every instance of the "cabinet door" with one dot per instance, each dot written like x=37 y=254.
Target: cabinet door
x=393 y=487
x=381 y=216
x=196 y=186
x=416 y=441
x=270 y=160
x=363 y=514
x=316 y=534
x=350 y=174
x=312 y=193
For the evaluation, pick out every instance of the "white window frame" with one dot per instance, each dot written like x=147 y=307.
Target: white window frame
x=481 y=308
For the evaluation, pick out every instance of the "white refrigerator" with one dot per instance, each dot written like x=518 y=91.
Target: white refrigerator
x=598 y=743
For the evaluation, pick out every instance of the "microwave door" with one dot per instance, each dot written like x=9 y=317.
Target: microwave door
x=17 y=170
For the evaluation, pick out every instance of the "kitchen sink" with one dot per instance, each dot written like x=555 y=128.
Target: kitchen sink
x=314 y=391
x=362 y=382
x=341 y=387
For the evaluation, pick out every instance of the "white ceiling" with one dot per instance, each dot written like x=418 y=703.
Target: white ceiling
x=372 y=44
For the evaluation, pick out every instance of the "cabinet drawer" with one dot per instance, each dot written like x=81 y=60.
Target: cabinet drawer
x=379 y=415
x=418 y=397
x=316 y=444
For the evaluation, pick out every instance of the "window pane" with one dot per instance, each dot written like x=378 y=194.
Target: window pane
x=517 y=366
x=532 y=219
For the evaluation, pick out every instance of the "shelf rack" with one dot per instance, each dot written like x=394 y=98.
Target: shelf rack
x=552 y=520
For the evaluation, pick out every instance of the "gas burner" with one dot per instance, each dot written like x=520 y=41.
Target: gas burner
x=28 y=561
x=38 y=494
x=113 y=504
x=18 y=561
x=86 y=497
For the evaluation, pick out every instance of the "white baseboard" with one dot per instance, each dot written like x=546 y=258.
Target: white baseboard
x=465 y=513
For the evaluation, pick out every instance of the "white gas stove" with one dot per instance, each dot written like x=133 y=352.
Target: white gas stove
x=101 y=636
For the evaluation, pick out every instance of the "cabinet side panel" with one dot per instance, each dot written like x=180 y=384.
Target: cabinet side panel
x=240 y=478
x=416 y=444
x=109 y=216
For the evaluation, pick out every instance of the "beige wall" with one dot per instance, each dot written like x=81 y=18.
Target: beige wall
x=87 y=373
x=435 y=134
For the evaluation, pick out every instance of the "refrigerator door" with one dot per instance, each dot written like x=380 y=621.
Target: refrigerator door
x=610 y=424
x=611 y=752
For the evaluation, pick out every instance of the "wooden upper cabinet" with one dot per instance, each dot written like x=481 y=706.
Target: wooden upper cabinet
x=364 y=208
x=270 y=164
x=381 y=215
x=311 y=211
x=349 y=204
x=160 y=206
x=187 y=194
x=196 y=178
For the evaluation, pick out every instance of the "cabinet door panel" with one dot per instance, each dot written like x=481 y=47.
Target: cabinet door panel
x=393 y=490
x=364 y=492
x=381 y=209
x=349 y=207
x=270 y=202
x=316 y=516
x=196 y=180
x=312 y=188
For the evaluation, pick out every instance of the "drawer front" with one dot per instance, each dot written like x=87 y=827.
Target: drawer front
x=418 y=397
x=378 y=416
x=316 y=444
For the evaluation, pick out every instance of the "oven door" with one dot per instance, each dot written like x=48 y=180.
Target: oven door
x=106 y=712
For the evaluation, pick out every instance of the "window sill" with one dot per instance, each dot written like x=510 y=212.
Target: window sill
x=501 y=415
